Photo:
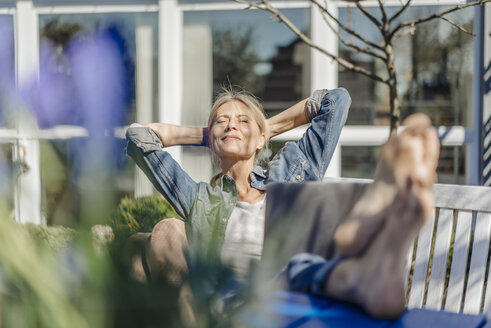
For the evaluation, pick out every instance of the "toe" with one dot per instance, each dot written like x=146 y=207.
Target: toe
x=416 y=122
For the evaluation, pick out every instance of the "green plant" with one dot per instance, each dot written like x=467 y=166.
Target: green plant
x=140 y=215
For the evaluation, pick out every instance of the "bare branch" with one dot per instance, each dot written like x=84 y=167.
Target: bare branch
x=400 y=11
x=344 y=27
x=403 y=32
x=457 y=26
x=438 y=15
x=351 y=44
x=341 y=61
x=382 y=9
x=369 y=16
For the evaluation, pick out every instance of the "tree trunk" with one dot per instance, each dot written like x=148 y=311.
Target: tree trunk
x=395 y=108
x=394 y=105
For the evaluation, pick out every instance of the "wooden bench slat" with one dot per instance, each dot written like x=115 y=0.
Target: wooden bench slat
x=436 y=285
x=487 y=297
x=472 y=198
x=477 y=270
x=420 y=272
x=409 y=260
x=458 y=268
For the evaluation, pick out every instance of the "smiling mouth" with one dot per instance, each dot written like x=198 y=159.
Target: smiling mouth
x=230 y=138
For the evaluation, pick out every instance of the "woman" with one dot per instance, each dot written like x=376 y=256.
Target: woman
x=224 y=220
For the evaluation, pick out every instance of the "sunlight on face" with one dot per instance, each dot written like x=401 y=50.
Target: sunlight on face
x=234 y=132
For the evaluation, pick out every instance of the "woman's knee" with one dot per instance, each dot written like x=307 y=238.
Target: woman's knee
x=170 y=234
x=340 y=101
x=169 y=226
x=167 y=246
x=340 y=96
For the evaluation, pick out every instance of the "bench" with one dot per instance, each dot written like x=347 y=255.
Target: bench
x=448 y=267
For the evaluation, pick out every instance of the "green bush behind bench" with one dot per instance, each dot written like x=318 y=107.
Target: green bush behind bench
x=140 y=215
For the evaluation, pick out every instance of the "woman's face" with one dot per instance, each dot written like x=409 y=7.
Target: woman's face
x=234 y=132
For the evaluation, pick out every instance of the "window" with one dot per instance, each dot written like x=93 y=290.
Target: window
x=7 y=78
x=126 y=30
x=7 y=69
x=360 y=162
x=248 y=49
x=130 y=94
x=434 y=63
x=240 y=48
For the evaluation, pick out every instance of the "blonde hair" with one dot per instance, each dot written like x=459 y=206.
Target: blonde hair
x=229 y=94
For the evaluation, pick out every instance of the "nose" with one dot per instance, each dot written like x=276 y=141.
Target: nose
x=232 y=124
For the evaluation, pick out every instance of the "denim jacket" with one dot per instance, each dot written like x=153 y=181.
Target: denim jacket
x=206 y=207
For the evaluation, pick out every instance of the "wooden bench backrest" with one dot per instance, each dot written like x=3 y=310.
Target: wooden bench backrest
x=450 y=267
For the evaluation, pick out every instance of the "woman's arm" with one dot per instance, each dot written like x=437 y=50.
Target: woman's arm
x=175 y=135
x=287 y=119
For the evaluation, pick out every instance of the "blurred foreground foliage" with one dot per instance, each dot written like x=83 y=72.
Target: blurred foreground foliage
x=56 y=238
x=34 y=290
x=58 y=277
x=61 y=277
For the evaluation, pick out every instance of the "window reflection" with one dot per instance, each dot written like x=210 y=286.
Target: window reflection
x=360 y=162
x=7 y=67
x=72 y=93
x=7 y=82
x=239 y=48
x=58 y=32
x=250 y=50
x=434 y=63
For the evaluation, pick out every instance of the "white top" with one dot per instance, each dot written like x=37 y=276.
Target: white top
x=244 y=236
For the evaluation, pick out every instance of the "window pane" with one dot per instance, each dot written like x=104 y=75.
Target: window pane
x=57 y=33
x=7 y=68
x=8 y=172
x=69 y=43
x=239 y=48
x=434 y=63
x=360 y=162
x=7 y=109
x=250 y=50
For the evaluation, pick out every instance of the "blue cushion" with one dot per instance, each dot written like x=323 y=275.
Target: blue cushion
x=292 y=309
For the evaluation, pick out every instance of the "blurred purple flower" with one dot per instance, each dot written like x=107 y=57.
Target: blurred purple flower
x=84 y=84
x=6 y=50
x=7 y=69
x=53 y=98
x=99 y=80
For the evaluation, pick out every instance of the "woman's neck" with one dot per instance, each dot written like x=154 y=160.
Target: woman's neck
x=240 y=172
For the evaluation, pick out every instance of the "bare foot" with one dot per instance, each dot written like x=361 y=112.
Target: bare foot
x=374 y=279
x=412 y=154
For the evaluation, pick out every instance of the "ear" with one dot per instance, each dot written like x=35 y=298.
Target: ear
x=262 y=141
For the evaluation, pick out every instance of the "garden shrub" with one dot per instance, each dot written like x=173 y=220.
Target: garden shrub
x=140 y=215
